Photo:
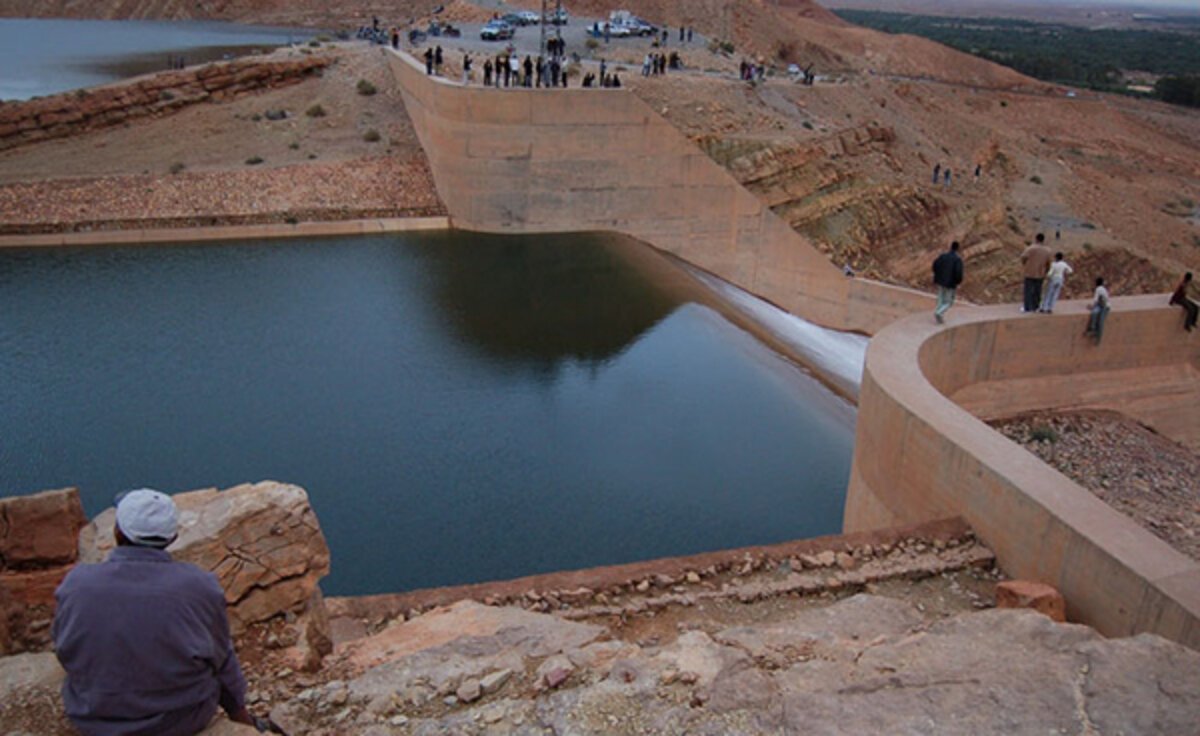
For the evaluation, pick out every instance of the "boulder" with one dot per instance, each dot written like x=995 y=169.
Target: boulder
x=261 y=540
x=40 y=529
x=1036 y=596
x=33 y=588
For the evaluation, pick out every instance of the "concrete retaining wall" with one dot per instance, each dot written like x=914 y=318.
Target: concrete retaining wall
x=535 y=160
x=918 y=455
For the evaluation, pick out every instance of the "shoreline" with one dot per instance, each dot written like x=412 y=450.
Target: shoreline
x=218 y=233
x=582 y=583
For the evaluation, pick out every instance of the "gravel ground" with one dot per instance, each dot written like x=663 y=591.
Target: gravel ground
x=1153 y=480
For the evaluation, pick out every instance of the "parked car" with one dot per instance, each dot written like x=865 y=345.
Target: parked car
x=529 y=18
x=614 y=30
x=642 y=28
x=630 y=24
x=558 y=18
x=513 y=19
x=496 y=30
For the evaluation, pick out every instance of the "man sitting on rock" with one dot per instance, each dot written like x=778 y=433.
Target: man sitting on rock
x=144 y=639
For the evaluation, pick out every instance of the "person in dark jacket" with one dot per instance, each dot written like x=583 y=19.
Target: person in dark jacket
x=947 y=275
x=145 y=639
x=1180 y=298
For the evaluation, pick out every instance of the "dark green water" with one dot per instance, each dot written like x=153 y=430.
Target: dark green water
x=459 y=407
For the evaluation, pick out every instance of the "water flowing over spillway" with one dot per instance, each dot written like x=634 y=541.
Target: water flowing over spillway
x=836 y=356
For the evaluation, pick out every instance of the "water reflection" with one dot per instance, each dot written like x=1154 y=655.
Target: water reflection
x=577 y=298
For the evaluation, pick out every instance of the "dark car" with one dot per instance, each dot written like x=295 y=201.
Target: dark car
x=514 y=20
x=496 y=30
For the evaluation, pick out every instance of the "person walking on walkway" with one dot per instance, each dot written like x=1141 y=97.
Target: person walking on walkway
x=437 y=60
x=946 y=177
x=466 y=69
x=947 y=275
x=1180 y=297
x=487 y=72
x=1098 y=312
x=1036 y=259
x=1057 y=275
x=429 y=62
x=937 y=172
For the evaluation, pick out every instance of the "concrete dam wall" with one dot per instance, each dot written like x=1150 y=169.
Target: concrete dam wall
x=525 y=161
x=920 y=453
x=554 y=160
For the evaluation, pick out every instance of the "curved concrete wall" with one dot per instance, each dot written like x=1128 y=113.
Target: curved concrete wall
x=539 y=160
x=919 y=455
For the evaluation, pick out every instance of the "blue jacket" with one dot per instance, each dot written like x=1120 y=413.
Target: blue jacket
x=145 y=641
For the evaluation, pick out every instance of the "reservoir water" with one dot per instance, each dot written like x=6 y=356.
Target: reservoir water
x=459 y=407
x=44 y=56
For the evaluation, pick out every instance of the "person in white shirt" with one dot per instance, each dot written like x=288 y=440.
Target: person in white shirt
x=1099 y=311
x=1057 y=273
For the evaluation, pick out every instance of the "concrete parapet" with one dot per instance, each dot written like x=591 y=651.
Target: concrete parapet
x=919 y=455
x=542 y=160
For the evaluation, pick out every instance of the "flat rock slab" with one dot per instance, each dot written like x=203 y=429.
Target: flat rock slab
x=534 y=634
x=880 y=670
x=25 y=671
x=452 y=650
x=225 y=727
x=845 y=628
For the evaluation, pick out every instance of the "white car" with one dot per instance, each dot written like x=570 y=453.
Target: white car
x=619 y=30
x=529 y=18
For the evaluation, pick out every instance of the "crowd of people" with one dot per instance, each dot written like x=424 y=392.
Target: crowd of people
x=945 y=176
x=654 y=64
x=1041 y=268
x=749 y=71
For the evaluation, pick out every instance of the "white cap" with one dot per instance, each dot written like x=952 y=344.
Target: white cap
x=147 y=517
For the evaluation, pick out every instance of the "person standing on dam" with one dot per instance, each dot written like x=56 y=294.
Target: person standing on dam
x=947 y=275
x=1180 y=298
x=1057 y=274
x=1036 y=259
x=1098 y=311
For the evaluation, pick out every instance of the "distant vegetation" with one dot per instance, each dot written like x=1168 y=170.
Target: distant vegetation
x=1062 y=53
x=1179 y=90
